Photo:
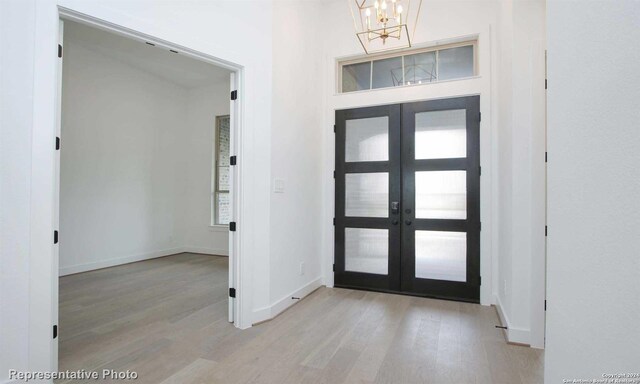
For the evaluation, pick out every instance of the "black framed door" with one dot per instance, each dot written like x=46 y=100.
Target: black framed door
x=368 y=182
x=408 y=198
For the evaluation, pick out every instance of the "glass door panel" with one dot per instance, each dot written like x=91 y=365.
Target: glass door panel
x=367 y=139
x=367 y=250
x=441 y=134
x=441 y=195
x=441 y=255
x=367 y=194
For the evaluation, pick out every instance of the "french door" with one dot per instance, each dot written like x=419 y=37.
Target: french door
x=407 y=198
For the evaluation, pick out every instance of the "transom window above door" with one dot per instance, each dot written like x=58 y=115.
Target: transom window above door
x=420 y=66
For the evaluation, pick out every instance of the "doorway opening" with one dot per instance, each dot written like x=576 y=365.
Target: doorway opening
x=146 y=195
x=408 y=198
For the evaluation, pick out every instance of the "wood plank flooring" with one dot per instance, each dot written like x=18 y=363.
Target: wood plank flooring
x=166 y=319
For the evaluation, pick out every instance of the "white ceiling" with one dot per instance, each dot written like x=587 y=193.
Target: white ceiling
x=173 y=67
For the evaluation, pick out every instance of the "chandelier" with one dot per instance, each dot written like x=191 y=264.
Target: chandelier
x=381 y=25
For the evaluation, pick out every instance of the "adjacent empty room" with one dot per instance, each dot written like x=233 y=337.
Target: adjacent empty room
x=144 y=196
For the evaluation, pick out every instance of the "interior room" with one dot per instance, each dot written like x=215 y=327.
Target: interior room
x=144 y=194
x=319 y=191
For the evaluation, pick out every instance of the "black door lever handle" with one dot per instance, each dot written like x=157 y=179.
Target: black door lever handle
x=407 y=222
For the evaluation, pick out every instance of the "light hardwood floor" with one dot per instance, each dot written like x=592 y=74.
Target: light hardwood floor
x=166 y=319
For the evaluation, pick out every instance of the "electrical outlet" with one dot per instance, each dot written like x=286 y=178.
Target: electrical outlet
x=302 y=268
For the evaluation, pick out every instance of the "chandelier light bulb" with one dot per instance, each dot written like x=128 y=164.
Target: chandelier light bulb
x=384 y=5
x=399 y=8
x=368 y=12
x=376 y=4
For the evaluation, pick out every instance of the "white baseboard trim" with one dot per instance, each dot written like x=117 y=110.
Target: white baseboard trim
x=268 y=313
x=260 y=315
x=118 y=261
x=513 y=334
x=70 y=270
x=206 y=251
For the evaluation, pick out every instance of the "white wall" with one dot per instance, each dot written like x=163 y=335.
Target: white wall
x=16 y=119
x=120 y=177
x=594 y=184
x=203 y=105
x=296 y=154
x=519 y=284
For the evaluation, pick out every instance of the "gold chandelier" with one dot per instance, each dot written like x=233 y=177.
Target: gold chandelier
x=381 y=25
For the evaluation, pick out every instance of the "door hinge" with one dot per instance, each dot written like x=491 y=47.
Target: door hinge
x=546 y=157
x=55 y=237
x=334 y=174
x=57 y=143
x=334 y=267
x=480 y=170
x=233 y=160
x=232 y=292
x=60 y=50
x=234 y=95
x=334 y=221
x=232 y=226
x=545 y=83
x=546 y=229
x=545 y=305
x=55 y=331
x=481 y=225
x=334 y=127
x=479 y=116
x=479 y=280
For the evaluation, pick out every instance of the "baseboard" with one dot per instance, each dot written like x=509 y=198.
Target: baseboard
x=206 y=251
x=268 y=313
x=513 y=335
x=118 y=261
x=261 y=315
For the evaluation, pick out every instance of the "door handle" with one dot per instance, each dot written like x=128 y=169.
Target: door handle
x=395 y=207
x=407 y=222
